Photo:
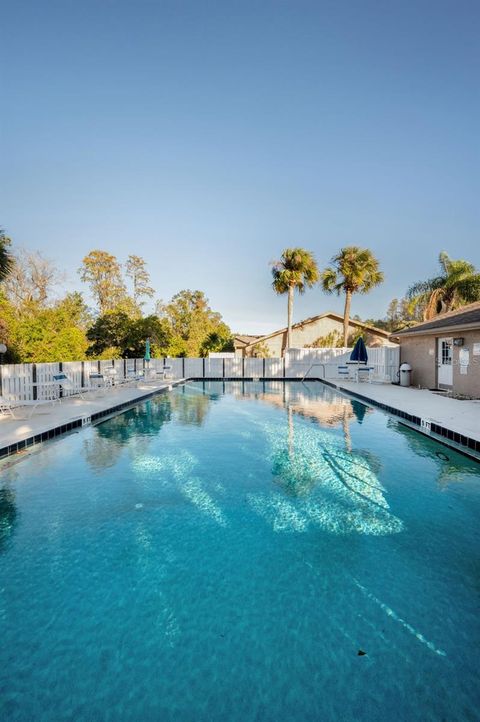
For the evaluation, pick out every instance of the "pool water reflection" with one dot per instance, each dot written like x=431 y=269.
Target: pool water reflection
x=240 y=551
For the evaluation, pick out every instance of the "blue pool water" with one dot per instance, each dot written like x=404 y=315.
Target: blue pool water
x=224 y=553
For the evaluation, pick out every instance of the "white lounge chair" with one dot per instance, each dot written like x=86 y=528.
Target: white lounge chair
x=6 y=407
x=12 y=405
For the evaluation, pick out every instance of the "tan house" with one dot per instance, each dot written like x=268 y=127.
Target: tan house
x=306 y=333
x=241 y=341
x=444 y=352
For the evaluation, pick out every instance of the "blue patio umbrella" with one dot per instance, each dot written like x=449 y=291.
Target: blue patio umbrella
x=359 y=353
x=147 y=350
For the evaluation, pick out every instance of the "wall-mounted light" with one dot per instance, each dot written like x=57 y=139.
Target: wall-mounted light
x=458 y=341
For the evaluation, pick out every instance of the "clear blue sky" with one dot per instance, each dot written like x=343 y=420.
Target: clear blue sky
x=208 y=136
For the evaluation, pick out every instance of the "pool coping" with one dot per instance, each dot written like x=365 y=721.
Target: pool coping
x=463 y=444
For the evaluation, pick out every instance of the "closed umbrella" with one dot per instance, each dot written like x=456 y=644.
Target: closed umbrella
x=359 y=353
x=147 y=356
x=359 y=356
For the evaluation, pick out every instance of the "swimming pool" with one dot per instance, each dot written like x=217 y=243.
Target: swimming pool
x=240 y=551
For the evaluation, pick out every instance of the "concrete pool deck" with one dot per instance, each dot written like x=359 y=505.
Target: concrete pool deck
x=451 y=421
x=49 y=420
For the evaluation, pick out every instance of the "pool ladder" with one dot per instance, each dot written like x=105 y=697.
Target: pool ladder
x=316 y=363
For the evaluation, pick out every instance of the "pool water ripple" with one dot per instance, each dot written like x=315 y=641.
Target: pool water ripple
x=240 y=552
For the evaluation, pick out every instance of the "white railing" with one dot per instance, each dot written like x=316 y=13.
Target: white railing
x=30 y=381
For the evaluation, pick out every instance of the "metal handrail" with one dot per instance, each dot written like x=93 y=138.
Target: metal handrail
x=311 y=367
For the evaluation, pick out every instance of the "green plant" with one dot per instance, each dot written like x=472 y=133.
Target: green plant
x=295 y=271
x=353 y=270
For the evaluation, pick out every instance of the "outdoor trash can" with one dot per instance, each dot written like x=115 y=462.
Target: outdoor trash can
x=405 y=375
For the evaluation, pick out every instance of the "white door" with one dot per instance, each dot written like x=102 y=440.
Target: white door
x=444 y=361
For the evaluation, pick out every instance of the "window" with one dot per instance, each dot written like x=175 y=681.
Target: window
x=446 y=353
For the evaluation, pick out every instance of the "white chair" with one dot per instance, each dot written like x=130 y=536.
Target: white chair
x=343 y=372
x=110 y=374
x=363 y=373
x=133 y=377
x=98 y=382
x=66 y=383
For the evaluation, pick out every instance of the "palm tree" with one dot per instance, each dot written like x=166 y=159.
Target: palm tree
x=457 y=285
x=296 y=270
x=6 y=260
x=354 y=270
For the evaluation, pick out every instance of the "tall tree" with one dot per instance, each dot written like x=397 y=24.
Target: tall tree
x=102 y=271
x=137 y=272
x=216 y=342
x=295 y=271
x=353 y=270
x=54 y=332
x=191 y=321
x=118 y=335
x=31 y=280
x=457 y=285
x=6 y=260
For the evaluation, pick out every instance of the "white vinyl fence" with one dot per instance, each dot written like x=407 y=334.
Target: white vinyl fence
x=35 y=381
x=324 y=362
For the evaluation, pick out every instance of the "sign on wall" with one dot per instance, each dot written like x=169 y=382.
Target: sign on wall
x=464 y=360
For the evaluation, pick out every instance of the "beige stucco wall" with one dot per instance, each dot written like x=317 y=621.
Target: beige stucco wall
x=305 y=336
x=468 y=384
x=421 y=354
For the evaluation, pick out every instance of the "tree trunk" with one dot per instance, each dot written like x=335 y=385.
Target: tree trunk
x=346 y=317
x=290 y=315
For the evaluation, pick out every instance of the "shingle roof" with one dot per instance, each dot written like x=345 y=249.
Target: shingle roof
x=245 y=338
x=466 y=316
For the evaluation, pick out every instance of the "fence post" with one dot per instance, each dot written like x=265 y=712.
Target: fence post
x=1 y=386
x=243 y=367
x=60 y=388
x=264 y=368
x=99 y=366
x=34 y=379
x=203 y=367
x=183 y=367
x=82 y=378
x=223 y=367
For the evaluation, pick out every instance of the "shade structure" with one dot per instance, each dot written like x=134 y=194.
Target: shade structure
x=359 y=353
x=147 y=350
